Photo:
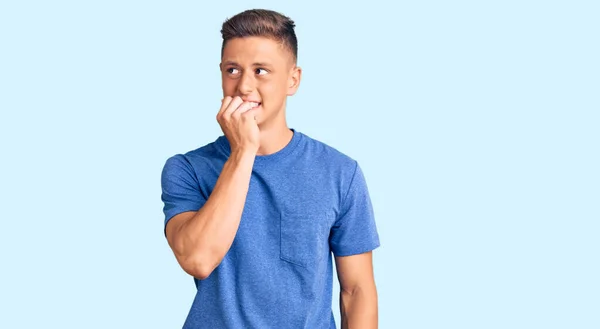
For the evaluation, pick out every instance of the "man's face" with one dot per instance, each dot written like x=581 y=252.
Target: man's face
x=259 y=70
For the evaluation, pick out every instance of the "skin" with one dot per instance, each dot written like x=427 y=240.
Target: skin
x=257 y=69
x=358 y=293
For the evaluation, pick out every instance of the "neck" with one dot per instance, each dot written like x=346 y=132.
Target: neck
x=274 y=138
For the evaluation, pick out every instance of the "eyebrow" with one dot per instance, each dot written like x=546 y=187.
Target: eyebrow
x=253 y=64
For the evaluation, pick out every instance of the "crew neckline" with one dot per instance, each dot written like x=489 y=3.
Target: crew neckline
x=262 y=159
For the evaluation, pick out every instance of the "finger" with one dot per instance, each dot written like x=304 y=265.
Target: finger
x=225 y=103
x=235 y=103
x=242 y=109
x=250 y=114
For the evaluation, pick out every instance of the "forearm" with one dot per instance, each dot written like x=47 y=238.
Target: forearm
x=359 y=308
x=205 y=238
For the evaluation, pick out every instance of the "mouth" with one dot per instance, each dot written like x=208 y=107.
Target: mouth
x=254 y=104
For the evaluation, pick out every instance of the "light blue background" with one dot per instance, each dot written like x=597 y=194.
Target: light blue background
x=476 y=124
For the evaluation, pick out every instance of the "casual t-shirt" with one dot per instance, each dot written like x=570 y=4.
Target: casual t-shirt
x=304 y=203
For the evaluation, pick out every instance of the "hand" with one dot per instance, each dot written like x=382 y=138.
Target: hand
x=237 y=121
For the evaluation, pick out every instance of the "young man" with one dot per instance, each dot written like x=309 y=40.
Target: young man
x=255 y=215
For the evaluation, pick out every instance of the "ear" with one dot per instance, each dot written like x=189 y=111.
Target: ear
x=294 y=80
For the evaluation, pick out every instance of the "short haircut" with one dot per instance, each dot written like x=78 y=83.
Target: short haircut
x=261 y=23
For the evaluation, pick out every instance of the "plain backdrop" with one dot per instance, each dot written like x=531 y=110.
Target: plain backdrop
x=476 y=124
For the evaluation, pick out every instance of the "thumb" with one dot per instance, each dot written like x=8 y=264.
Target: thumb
x=252 y=113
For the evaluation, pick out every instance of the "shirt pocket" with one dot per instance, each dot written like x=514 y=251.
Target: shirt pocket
x=304 y=238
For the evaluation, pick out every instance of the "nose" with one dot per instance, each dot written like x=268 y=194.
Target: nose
x=246 y=83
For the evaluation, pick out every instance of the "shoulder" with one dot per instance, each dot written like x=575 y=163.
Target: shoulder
x=199 y=159
x=327 y=155
x=329 y=161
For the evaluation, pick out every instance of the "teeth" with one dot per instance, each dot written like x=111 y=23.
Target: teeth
x=253 y=104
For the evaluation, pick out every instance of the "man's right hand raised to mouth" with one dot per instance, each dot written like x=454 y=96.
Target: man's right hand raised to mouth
x=200 y=239
x=237 y=121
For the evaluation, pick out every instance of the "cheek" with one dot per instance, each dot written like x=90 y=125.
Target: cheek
x=271 y=91
x=229 y=87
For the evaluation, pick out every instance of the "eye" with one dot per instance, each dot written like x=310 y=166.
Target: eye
x=258 y=71
x=232 y=70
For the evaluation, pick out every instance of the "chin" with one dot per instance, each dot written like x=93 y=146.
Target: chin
x=259 y=114
x=259 y=121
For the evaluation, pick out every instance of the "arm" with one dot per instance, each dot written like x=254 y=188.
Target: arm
x=358 y=293
x=200 y=239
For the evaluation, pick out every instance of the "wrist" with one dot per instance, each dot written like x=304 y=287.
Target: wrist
x=243 y=155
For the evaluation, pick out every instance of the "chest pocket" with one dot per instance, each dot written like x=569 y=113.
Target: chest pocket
x=304 y=237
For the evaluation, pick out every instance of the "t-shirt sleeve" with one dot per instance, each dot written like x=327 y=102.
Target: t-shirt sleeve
x=354 y=231
x=180 y=188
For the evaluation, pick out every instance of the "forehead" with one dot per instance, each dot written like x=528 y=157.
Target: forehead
x=249 y=50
